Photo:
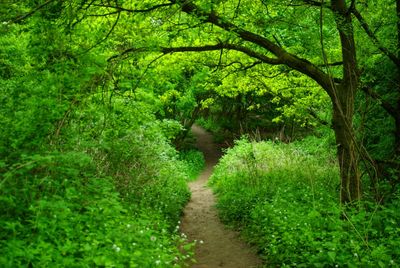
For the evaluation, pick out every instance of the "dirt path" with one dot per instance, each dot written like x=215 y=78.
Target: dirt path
x=221 y=247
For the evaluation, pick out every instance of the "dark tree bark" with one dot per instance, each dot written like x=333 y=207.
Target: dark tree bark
x=348 y=157
x=343 y=107
x=397 y=118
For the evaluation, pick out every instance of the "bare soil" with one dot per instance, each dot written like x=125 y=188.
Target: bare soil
x=220 y=247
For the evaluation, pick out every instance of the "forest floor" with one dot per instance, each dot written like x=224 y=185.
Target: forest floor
x=217 y=246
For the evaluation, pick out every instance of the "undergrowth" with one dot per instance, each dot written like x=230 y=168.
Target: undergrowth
x=70 y=209
x=284 y=199
x=57 y=212
x=116 y=204
x=194 y=162
x=88 y=178
x=107 y=192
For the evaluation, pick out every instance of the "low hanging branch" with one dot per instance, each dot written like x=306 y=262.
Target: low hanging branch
x=283 y=56
x=245 y=50
x=219 y=46
x=121 y=9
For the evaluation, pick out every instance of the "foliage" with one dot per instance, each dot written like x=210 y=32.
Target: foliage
x=92 y=95
x=273 y=94
x=283 y=197
x=56 y=211
x=194 y=161
x=88 y=176
x=112 y=196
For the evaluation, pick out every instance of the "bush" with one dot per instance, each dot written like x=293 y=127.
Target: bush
x=194 y=162
x=284 y=198
x=88 y=177
x=56 y=212
x=108 y=191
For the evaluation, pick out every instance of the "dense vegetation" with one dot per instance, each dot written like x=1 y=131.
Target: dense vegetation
x=283 y=197
x=97 y=98
x=87 y=178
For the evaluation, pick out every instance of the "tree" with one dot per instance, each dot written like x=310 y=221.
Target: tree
x=379 y=32
x=341 y=91
x=323 y=48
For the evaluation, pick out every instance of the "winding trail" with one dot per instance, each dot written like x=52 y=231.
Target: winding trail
x=221 y=247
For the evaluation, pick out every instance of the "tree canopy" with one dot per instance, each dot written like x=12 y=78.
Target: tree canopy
x=82 y=80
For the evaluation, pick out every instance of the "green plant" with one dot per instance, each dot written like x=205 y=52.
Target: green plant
x=283 y=197
x=84 y=181
x=55 y=211
x=194 y=162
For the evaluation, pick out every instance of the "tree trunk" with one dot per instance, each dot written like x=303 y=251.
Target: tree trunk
x=347 y=153
x=397 y=132
x=341 y=93
x=397 y=118
x=342 y=96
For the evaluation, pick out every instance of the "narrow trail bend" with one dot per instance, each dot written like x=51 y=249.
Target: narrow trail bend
x=221 y=247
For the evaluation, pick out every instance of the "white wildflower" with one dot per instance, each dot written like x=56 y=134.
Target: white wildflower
x=116 y=248
x=156 y=22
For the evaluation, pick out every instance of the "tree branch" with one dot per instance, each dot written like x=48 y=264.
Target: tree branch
x=127 y=51
x=245 y=50
x=374 y=39
x=293 y=61
x=352 y=6
x=338 y=63
x=219 y=46
x=119 y=9
x=233 y=63
x=252 y=65
x=389 y=108
x=107 y=35
x=236 y=10
x=30 y=13
x=316 y=117
x=312 y=3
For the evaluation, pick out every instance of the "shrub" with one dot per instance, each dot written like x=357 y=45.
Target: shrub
x=56 y=212
x=194 y=162
x=284 y=198
x=106 y=193
x=88 y=177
